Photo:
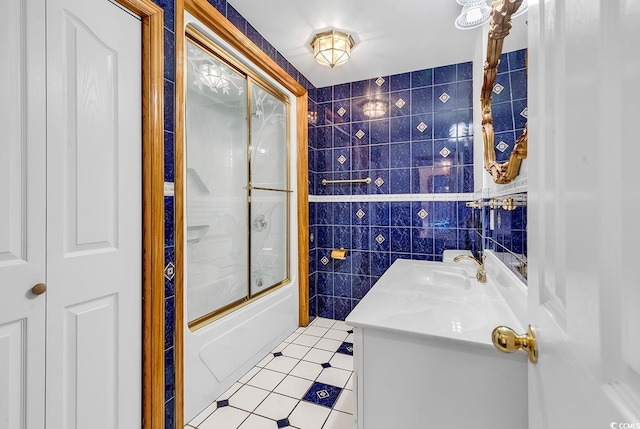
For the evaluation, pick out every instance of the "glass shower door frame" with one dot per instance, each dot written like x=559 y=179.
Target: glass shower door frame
x=253 y=81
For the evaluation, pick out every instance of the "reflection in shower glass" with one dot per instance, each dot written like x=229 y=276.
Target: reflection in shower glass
x=269 y=183
x=216 y=184
x=237 y=186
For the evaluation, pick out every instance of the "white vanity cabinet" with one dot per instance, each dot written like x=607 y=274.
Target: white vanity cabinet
x=423 y=356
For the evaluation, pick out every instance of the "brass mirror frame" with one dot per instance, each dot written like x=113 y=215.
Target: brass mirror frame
x=499 y=27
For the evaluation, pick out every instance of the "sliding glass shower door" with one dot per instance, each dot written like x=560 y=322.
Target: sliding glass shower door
x=270 y=190
x=237 y=180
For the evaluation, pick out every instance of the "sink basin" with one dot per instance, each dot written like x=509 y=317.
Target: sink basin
x=422 y=275
x=451 y=278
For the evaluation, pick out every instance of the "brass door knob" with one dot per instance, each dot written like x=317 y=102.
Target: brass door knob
x=39 y=289
x=506 y=340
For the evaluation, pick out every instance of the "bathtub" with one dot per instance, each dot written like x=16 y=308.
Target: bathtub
x=423 y=356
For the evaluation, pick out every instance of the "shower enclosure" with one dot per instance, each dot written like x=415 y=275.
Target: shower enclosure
x=241 y=208
x=237 y=184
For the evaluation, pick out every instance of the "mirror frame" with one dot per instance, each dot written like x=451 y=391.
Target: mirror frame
x=499 y=27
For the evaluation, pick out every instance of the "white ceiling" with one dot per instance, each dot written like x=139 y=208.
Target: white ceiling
x=392 y=36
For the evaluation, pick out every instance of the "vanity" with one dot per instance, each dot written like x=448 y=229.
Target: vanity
x=423 y=355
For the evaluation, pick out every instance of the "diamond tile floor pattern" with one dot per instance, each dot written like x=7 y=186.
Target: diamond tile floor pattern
x=305 y=383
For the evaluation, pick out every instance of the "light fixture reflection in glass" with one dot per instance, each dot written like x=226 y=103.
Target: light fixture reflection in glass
x=460 y=129
x=332 y=48
x=212 y=76
x=312 y=117
x=374 y=108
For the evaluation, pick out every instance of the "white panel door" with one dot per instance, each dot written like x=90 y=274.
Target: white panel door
x=94 y=216
x=22 y=213
x=584 y=204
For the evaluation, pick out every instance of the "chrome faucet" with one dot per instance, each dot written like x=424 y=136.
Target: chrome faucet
x=481 y=275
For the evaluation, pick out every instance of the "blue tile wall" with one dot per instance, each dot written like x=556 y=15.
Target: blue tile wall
x=422 y=144
x=169 y=141
x=376 y=234
x=169 y=174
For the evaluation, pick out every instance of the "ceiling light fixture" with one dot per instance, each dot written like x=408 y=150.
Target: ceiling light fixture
x=332 y=48
x=476 y=13
x=374 y=108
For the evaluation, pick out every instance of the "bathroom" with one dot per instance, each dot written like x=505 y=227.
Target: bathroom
x=338 y=218
x=397 y=191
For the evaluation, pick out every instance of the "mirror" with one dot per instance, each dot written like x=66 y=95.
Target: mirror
x=499 y=27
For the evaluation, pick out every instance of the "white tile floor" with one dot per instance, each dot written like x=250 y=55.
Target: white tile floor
x=305 y=383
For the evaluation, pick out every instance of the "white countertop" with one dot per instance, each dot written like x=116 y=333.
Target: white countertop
x=435 y=299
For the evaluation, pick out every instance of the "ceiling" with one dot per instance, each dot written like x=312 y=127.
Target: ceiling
x=392 y=36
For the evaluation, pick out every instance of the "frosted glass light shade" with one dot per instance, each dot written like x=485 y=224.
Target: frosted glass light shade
x=332 y=48
x=474 y=14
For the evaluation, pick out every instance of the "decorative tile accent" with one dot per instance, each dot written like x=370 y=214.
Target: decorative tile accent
x=342 y=111
x=278 y=354
x=169 y=271
x=400 y=103
x=525 y=113
x=445 y=152
x=324 y=260
x=360 y=213
x=502 y=146
x=497 y=88
x=423 y=214
x=380 y=81
x=342 y=159
x=346 y=348
x=326 y=365
x=350 y=331
x=223 y=403
x=380 y=238
x=421 y=127
x=283 y=423
x=322 y=394
x=379 y=182
x=444 y=97
x=360 y=134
